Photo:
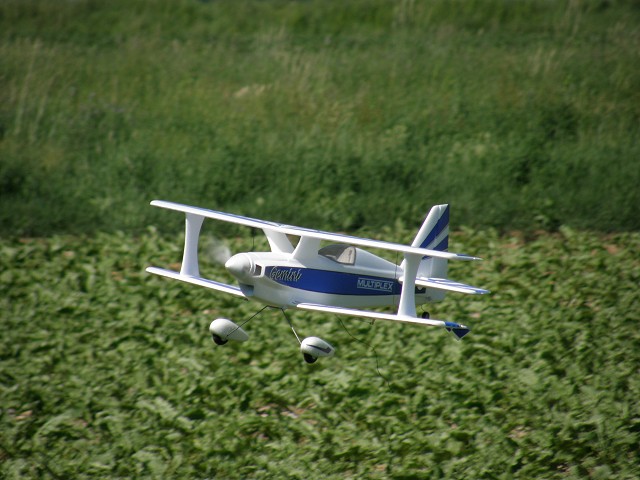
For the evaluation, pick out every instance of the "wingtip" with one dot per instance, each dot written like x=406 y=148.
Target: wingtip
x=458 y=330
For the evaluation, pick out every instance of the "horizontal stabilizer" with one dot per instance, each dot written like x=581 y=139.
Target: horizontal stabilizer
x=458 y=330
x=203 y=282
x=450 y=286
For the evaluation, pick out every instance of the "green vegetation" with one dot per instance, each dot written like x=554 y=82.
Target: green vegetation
x=108 y=372
x=525 y=116
x=521 y=114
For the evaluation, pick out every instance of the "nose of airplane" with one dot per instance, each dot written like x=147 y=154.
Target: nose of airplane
x=240 y=266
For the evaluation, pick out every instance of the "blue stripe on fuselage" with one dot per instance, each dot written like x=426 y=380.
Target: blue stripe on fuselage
x=331 y=282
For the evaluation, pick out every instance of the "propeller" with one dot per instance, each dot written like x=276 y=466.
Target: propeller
x=215 y=250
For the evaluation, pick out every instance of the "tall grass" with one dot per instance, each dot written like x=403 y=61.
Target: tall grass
x=520 y=114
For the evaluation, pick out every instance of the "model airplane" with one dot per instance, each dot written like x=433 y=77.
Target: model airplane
x=338 y=278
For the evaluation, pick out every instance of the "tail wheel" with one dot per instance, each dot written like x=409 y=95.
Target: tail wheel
x=218 y=339
x=309 y=358
x=425 y=315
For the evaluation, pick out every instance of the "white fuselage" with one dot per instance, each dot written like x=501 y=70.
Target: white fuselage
x=349 y=277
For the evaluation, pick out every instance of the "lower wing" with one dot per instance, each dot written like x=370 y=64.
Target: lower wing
x=203 y=282
x=457 y=329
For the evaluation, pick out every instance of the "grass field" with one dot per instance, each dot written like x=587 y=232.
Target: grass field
x=108 y=372
x=335 y=115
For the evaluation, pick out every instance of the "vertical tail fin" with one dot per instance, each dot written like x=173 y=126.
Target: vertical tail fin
x=434 y=235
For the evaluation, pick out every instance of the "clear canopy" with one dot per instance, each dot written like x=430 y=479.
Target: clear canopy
x=345 y=254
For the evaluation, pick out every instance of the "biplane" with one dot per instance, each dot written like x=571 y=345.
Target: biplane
x=327 y=272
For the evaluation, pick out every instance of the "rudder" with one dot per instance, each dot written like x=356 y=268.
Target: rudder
x=434 y=235
x=434 y=232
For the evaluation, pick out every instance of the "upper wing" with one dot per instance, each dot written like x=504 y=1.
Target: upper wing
x=271 y=228
x=277 y=239
x=226 y=217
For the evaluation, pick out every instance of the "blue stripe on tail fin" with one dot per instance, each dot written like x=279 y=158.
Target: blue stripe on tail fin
x=434 y=233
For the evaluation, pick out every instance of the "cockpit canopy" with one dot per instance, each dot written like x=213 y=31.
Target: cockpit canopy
x=345 y=254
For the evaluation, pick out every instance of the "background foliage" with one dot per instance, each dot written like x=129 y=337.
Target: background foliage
x=322 y=113
x=106 y=372
x=340 y=115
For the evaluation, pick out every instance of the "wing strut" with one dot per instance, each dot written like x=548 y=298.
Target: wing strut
x=193 y=224
x=408 y=295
